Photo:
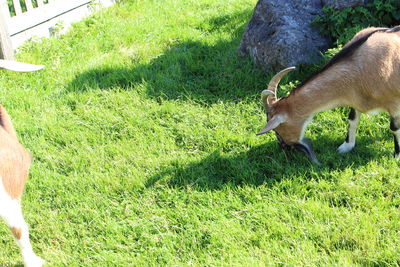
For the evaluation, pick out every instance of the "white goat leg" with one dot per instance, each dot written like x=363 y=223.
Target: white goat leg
x=10 y=211
x=354 y=120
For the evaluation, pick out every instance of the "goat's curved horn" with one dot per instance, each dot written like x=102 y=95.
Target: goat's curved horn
x=269 y=94
x=19 y=66
x=273 y=84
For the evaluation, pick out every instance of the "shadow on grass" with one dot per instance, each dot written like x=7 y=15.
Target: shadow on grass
x=194 y=70
x=264 y=164
x=207 y=73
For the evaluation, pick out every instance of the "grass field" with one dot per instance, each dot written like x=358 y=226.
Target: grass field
x=143 y=131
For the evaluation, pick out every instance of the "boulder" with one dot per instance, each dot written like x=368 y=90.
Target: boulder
x=280 y=33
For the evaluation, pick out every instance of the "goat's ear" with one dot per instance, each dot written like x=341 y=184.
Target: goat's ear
x=273 y=123
x=19 y=66
x=5 y=122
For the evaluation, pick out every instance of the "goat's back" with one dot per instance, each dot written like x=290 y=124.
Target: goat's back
x=378 y=65
x=370 y=78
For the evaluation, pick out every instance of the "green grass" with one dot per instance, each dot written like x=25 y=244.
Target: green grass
x=143 y=131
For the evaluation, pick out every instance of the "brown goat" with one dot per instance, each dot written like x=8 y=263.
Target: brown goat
x=364 y=75
x=14 y=167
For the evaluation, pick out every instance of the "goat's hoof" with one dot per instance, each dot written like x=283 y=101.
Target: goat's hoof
x=34 y=261
x=344 y=148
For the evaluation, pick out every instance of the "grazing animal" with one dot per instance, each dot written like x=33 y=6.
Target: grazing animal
x=14 y=168
x=364 y=75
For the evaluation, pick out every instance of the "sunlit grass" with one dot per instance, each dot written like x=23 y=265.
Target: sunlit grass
x=143 y=131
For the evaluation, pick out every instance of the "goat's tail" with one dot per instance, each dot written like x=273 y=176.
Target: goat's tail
x=5 y=122
x=19 y=66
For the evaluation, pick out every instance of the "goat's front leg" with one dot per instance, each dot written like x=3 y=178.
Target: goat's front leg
x=395 y=127
x=10 y=211
x=354 y=119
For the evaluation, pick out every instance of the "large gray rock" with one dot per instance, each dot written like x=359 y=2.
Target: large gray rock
x=280 y=33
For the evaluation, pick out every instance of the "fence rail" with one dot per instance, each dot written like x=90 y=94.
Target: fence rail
x=20 y=22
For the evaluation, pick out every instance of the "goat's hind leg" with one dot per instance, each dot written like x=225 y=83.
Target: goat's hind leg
x=11 y=212
x=354 y=120
x=395 y=128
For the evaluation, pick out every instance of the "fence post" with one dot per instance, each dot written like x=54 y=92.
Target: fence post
x=6 y=50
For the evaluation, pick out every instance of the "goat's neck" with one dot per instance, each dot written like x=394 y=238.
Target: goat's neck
x=305 y=102
x=310 y=99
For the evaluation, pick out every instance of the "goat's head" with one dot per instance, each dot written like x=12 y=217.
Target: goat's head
x=288 y=128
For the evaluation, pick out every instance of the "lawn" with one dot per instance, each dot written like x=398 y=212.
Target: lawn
x=142 y=128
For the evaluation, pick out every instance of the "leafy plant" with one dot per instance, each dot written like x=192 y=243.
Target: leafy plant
x=341 y=25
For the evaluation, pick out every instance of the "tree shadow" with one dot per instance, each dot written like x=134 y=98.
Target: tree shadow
x=188 y=69
x=264 y=164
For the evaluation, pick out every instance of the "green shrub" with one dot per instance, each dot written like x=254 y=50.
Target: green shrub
x=341 y=25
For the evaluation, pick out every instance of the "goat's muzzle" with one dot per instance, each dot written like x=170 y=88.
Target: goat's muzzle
x=305 y=146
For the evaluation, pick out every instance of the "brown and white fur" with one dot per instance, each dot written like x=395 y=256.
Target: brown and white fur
x=14 y=167
x=364 y=75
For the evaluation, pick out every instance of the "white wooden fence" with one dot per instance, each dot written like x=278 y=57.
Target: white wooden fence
x=20 y=22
